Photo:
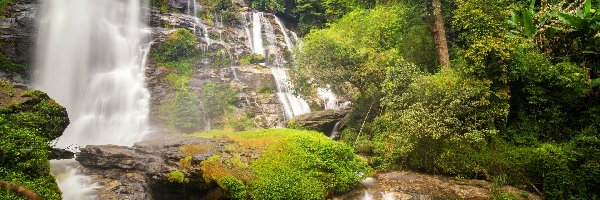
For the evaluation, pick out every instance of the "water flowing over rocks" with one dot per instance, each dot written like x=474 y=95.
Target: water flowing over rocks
x=215 y=40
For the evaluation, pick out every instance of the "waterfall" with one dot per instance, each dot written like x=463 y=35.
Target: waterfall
x=329 y=98
x=286 y=37
x=91 y=60
x=257 y=41
x=292 y=104
x=335 y=132
x=91 y=57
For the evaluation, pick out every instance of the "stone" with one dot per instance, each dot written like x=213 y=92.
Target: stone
x=141 y=172
x=322 y=121
x=407 y=185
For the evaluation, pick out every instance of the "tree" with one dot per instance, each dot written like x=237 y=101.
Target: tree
x=439 y=34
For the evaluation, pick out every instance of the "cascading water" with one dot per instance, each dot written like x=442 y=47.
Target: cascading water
x=257 y=40
x=329 y=97
x=292 y=105
x=286 y=37
x=91 y=59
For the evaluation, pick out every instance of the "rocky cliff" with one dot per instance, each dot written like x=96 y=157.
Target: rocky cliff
x=226 y=57
x=17 y=38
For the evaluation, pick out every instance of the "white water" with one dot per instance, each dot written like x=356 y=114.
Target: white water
x=329 y=98
x=91 y=59
x=292 y=104
x=257 y=40
x=67 y=175
x=286 y=37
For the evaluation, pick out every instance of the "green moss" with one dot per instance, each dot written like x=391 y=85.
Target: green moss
x=292 y=165
x=235 y=188
x=3 y=5
x=28 y=121
x=178 y=177
x=12 y=66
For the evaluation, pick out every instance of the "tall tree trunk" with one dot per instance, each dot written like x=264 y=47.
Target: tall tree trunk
x=439 y=34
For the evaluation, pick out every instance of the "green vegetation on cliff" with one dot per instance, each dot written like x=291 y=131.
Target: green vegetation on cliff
x=29 y=120
x=282 y=164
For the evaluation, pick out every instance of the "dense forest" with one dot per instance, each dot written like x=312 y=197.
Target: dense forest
x=500 y=90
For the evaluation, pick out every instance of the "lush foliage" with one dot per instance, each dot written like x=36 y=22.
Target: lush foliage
x=311 y=14
x=519 y=104
x=222 y=11
x=363 y=47
x=292 y=165
x=180 y=44
x=28 y=121
x=178 y=177
x=438 y=123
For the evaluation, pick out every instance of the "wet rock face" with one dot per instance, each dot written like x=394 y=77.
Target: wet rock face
x=230 y=40
x=142 y=171
x=322 y=121
x=405 y=185
x=17 y=30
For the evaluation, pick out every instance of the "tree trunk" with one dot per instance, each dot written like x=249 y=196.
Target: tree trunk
x=439 y=34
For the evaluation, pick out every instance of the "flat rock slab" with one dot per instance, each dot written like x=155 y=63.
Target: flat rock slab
x=406 y=185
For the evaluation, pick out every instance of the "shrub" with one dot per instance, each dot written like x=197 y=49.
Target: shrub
x=438 y=124
x=180 y=44
x=186 y=112
x=217 y=97
x=545 y=98
x=3 y=5
x=235 y=188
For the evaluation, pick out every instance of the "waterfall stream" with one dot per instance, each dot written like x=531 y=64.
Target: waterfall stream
x=91 y=59
x=262 y=27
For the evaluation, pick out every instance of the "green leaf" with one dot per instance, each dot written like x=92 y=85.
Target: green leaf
x=528 y=24
x=531 y=6
x=571 y=20
x=588 y=7
x=595 y=82
x=551 y=32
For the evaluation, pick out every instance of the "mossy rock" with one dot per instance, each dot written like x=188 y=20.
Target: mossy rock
x=28 y=121
x=282 y=164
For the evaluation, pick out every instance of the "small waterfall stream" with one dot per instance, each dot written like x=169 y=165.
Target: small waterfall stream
x=91 y=59
x=262 y=27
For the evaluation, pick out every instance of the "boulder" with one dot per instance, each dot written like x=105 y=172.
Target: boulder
x=142 y=171
x=322 y=121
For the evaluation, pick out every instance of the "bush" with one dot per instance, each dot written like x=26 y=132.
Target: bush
x=3 y=5
x=545 y=98
x=217 y=97
x=438 y=124
x=180 y=44
x=186 y=112
x=235 y=188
